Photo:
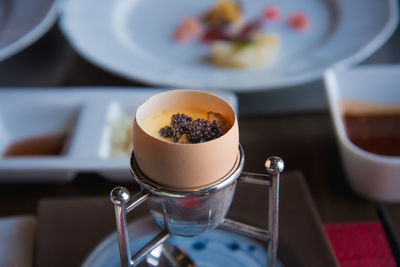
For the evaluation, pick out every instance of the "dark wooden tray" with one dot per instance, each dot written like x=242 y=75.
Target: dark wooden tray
x=69 y=229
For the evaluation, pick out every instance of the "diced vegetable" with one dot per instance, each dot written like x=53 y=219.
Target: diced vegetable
x=299 y=21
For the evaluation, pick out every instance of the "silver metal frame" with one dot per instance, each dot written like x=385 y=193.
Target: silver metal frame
x=123 y=204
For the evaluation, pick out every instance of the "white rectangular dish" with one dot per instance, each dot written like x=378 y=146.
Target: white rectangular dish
x=373 y=176
x=87 y=118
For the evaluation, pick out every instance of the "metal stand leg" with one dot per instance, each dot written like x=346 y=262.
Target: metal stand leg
x=245 y=229
x=123 y=204
x=274 y=166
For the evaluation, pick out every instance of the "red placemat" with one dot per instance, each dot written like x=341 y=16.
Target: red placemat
x=360 y=244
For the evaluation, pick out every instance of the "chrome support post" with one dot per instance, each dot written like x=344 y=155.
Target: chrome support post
x=155 y=242
x=119 y=197
x=245 y=229
x=123 y=204
x=254 y=178
x=274 y=166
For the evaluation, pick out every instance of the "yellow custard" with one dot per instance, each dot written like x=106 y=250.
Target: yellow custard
x=159 y=120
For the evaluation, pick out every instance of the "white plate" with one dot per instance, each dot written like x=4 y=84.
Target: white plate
x=22 y=22
x=132 y=38
x=85 y=115
x=214 y=248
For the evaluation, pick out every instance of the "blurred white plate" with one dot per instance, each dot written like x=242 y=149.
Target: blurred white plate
x=132 y=38
x=22 y=22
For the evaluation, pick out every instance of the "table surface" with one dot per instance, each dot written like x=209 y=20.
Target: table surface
x=302 y=243
x=293 y=123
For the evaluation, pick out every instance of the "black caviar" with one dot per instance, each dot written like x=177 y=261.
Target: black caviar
x=202 y=130
x=179 y=125
x=183 y=129
x=167 y=131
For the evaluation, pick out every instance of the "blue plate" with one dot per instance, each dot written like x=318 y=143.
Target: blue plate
x=213 y=248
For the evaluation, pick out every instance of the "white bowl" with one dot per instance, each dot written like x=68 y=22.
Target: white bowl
x=376 y=177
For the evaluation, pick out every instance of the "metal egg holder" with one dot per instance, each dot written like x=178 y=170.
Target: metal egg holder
x=190 y=213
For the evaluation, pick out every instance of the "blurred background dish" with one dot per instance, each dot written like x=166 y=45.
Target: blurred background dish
x=22 y=22
x=132 y=38
x=365 y=109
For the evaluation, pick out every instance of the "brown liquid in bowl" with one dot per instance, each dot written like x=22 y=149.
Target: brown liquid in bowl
x=375 y=132
x=44 y=145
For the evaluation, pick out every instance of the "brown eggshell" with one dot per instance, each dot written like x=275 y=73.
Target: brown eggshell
x=185 y=166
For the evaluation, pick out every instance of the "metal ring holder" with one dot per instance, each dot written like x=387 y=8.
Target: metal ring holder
x=189 y=213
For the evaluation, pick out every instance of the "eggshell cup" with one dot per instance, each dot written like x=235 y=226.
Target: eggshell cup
x=185 y=166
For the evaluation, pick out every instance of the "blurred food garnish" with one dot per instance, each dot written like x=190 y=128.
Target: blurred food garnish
x=299 y=21
x=245 y=54
x=190 y=29
x=121 y=135
x=236 y=42
x=225 y=12
x=272 y=13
